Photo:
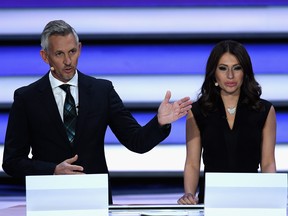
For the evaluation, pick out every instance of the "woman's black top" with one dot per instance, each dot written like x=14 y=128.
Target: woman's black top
x=230 y=150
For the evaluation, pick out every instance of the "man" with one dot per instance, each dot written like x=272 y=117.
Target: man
x=39 y=110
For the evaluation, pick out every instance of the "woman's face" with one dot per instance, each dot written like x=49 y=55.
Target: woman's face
x=229 y=75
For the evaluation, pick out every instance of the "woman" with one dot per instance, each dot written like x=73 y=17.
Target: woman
x=230 y=124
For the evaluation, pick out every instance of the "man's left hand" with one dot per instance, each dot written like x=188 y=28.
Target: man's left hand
x=170 y=112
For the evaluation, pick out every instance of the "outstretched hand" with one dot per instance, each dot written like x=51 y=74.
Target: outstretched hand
x=170 y=112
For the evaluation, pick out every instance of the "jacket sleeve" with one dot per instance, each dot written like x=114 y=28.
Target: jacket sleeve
x=133 y=136
x=16 y=161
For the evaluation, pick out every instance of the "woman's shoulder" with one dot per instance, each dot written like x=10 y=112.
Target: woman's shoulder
x=195 y=103
x=265 y=104
x=197 y=110
x=195 y=106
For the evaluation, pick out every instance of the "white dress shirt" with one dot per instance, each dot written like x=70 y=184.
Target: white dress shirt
x=59 y=94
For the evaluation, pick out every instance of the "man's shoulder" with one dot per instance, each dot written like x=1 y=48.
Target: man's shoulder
x=37 y=84
x=93 y=80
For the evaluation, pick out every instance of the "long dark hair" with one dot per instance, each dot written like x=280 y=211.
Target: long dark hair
x=250 y=89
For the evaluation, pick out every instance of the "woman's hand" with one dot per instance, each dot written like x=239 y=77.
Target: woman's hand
x=188 y=199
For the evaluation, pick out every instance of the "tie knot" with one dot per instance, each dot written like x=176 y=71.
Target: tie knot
x=65 y=87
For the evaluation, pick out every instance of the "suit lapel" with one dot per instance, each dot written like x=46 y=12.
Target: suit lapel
x=84 y=89
x=50 y=106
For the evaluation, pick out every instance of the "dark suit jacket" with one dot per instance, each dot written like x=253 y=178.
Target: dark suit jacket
x=35 y=122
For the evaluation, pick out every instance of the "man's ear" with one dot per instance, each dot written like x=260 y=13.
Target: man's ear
x=80 y=47
x=44 y=56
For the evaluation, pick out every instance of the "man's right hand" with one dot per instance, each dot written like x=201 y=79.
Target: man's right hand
x=66 y=167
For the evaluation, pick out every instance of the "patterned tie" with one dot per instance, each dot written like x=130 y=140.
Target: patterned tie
x=69 y=113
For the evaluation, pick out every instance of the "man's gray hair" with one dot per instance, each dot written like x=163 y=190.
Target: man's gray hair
x=56 y=27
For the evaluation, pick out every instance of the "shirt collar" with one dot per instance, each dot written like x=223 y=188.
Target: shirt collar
x=56 y=83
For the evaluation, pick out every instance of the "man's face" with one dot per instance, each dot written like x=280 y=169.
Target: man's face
x=62 y=54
